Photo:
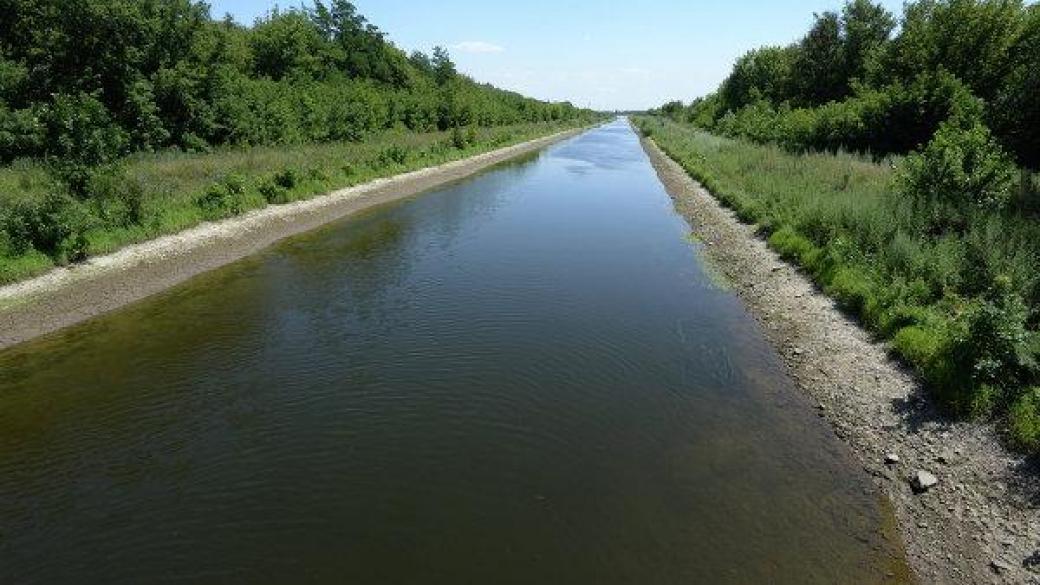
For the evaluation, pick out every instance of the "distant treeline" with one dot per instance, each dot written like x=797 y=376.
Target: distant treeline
x=89 y=81
x=856 y=82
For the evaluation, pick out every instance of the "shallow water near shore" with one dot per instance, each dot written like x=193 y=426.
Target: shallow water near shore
x=524 y=377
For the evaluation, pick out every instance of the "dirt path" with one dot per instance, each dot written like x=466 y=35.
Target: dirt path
x=66 y=296
x=981 y=522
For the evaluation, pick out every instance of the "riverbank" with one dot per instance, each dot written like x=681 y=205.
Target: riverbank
x=69 y=295
x=980 y=523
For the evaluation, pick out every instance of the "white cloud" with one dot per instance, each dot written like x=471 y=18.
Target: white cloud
x=479 y=47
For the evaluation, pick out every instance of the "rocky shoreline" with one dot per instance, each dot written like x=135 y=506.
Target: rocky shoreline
x=968 y=510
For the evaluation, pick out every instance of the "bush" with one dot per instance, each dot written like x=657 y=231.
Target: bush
x=961 y=171
x=393 y=155
x=223 y=200
x=22 y=133
x=458 y=138
x=1024 y=420
x=273 y=193
x=56 y=225
x=851 y=288
x=118 y=199
x=80 y=131
x=790 y=245
x=287 y=179
x=991 y=352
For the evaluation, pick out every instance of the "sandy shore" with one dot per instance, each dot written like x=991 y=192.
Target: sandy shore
x=981 y=523
x=66 y=296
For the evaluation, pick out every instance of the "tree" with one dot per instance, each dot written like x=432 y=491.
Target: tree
x=819 y=62
x=1016 y=109
x=866 y=27
x=969 y=38
x=287 y=44
x=362 y=48
x=760 y=74
x=443 y=67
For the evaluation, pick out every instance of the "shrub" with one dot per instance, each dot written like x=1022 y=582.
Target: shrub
x=223 y=200
x=273 y=193
x=991 y=352
x=851 y=288
x=79 y=130
x=919 y=346
x=55 y=225
x=458 y=138
x=393 y=155
x=119 y=200
x=961 y=170
x=22 y=133
x=287 y=179
x=1024 y=420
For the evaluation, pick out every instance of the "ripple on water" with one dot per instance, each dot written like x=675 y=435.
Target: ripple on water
x=524 y=377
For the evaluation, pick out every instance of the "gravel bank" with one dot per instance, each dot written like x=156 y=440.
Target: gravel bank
x=66 y=296
x=981 y=522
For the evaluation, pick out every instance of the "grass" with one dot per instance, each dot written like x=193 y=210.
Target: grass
x=962 y=308
x=150 y=195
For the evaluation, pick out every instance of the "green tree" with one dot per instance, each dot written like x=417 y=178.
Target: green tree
x=969 y=38
x=443 y=67
x=760 y=74
x=1016 y=109
x=819 y=62
x=866 y=28
x=288 y=44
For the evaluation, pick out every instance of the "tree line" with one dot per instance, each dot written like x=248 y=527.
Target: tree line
x=856 y=82
x=90 y=81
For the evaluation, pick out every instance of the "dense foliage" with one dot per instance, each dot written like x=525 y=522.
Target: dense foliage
x=84 y=85
x=855 y=83
x=96 y=79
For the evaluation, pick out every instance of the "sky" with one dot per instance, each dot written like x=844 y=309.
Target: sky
x=606 y=54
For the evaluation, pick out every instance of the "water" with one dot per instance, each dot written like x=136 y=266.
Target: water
x=526 y=377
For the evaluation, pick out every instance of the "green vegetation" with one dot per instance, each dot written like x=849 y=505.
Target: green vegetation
x=121 y=120
x=938 y=247
x=152 y=194
x=852 y=84
x=935 y=252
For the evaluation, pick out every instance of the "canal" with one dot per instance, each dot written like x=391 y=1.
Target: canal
x=527 y=377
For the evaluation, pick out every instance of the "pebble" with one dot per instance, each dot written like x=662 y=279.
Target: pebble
x=922 y=481
x=999 y=567
x=892 y=459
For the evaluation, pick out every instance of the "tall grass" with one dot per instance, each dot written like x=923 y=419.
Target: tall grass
x=961 y=306
x=42 y=224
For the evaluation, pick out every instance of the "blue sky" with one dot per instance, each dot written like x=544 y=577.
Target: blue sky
x=606 y=54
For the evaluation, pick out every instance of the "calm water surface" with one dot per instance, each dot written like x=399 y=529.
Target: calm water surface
x=526 y=377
